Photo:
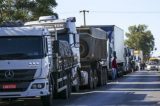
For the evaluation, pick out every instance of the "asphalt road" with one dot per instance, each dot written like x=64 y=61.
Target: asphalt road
x=141 y=88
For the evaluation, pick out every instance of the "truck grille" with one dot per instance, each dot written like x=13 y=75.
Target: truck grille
x=17 y=75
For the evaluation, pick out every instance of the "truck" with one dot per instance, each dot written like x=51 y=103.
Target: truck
x=138 y=57
x=115 y=46
x=129 y=63
x=65 y=30
x=35 y=63
x=93 y=56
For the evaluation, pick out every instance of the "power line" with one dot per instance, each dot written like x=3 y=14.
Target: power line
x=115 y=12
x=128 y=12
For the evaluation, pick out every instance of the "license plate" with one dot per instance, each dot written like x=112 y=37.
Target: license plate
x=9 y=86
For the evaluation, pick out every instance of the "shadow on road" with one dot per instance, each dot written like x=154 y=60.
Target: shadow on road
x=136 y=89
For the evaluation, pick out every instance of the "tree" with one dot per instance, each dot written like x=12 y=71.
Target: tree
x=140 y=38
x=43 y=8
x=25 y=10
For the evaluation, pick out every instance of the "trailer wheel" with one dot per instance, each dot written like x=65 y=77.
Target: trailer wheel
x=90 y=79
x=95 y=78
x=104 y=76
x=103 y=73
x=48 y=100
x=100 y=75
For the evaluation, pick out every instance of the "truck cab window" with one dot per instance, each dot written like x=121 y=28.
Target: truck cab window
x=21 y=47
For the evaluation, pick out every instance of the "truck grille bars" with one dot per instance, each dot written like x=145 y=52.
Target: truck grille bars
x=20 y=78
x=17 y=75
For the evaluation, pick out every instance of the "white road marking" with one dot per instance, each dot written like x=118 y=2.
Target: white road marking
x=156 y=82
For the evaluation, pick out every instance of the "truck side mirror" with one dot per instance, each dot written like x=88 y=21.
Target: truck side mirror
x=76 y=40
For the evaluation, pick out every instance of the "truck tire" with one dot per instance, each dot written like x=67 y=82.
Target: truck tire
x=69 y=84
x=77 y=87
x=65 y=94
x=48 y=100
x=90 y=79
x=100 y=75
x=84 y=48
x=104 y=76
x=95 y=78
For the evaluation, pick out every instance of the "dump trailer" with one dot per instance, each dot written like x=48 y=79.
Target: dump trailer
x=115 y=45
x=34 y=64
x=93 y=56
x=65 y=30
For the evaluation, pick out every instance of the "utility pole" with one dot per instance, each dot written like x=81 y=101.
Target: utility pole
x=84 y=15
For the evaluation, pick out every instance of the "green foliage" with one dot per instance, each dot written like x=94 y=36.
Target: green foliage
x=25 y=10
x=140 y=38
x=43 y=8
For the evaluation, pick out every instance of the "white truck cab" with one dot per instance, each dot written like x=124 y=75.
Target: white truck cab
x=23 y=58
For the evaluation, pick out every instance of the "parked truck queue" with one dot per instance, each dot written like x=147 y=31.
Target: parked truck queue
x=50 y=58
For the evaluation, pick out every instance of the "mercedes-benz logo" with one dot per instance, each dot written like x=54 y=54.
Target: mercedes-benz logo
x=8 y=62
x=9 y=74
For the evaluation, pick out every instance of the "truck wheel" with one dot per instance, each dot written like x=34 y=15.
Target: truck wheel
x=95 y=79
x=48 y=100
x=69 y=84
x=100 y=76
x=104 y=76
x=65 y=94
x=90 y=79
x=76 y=88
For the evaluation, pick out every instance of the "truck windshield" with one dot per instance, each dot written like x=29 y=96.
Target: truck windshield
x=21 y=48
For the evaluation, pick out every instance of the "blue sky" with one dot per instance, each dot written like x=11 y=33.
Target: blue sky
x=122 y=13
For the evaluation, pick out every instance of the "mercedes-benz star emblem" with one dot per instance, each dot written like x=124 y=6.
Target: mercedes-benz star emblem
x=8 y=62
x=9 y=74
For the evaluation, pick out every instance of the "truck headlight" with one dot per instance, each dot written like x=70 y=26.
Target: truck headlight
x=38 y=86
x=148 y=66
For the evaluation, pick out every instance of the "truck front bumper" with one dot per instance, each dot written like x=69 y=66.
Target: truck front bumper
x=30 y=92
